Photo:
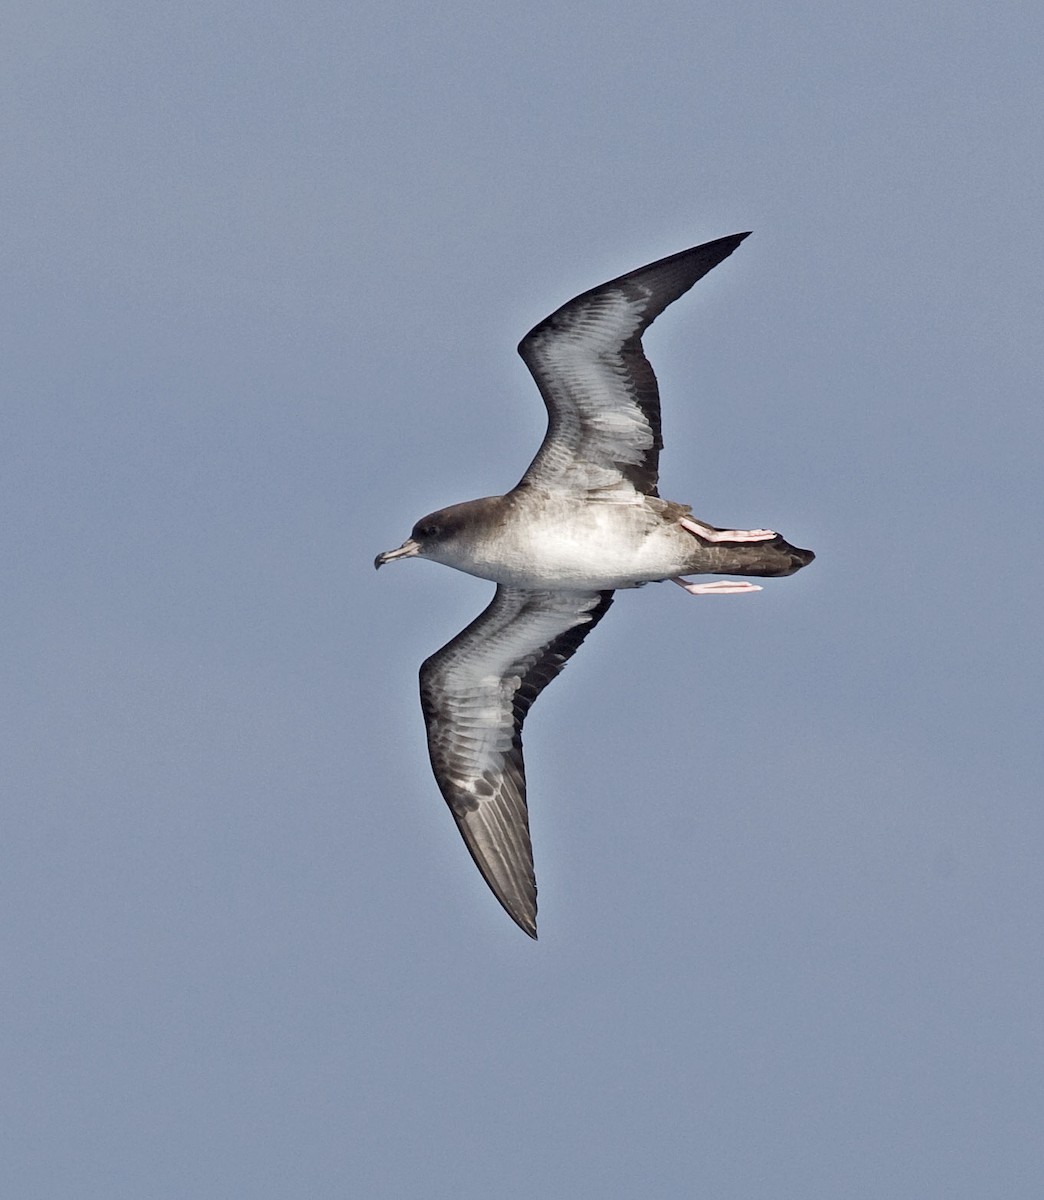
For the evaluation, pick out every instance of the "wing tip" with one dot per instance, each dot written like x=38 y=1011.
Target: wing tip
x=527 y=925
x=521 y=909
x=719 y=248
x=712 y=253
x=527 y=920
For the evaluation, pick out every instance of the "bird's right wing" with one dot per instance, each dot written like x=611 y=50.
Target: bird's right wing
x=475 y=693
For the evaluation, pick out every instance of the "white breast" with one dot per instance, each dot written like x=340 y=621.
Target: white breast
x=584 y=546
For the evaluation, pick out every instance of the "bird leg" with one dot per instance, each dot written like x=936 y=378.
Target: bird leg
x=720 y=587
x=710 y=534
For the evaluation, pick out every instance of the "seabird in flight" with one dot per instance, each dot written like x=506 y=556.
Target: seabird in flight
x=584 y=520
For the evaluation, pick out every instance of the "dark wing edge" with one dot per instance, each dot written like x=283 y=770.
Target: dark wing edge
x=475 y=694
x=590 y=349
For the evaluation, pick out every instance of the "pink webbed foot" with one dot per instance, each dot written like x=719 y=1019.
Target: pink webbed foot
x=726 y=535
x=720 y=587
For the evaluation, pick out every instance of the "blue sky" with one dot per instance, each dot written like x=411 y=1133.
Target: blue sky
x=265 y=267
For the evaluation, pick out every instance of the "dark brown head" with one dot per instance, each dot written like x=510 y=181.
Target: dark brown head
x=446 y=535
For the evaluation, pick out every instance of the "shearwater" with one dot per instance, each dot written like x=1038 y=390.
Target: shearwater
x=584 y=520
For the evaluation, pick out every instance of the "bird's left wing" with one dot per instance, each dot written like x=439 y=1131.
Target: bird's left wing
x=603 y=407
x=475 y=693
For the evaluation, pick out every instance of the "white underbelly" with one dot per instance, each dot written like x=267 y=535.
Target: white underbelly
x=608 y=547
